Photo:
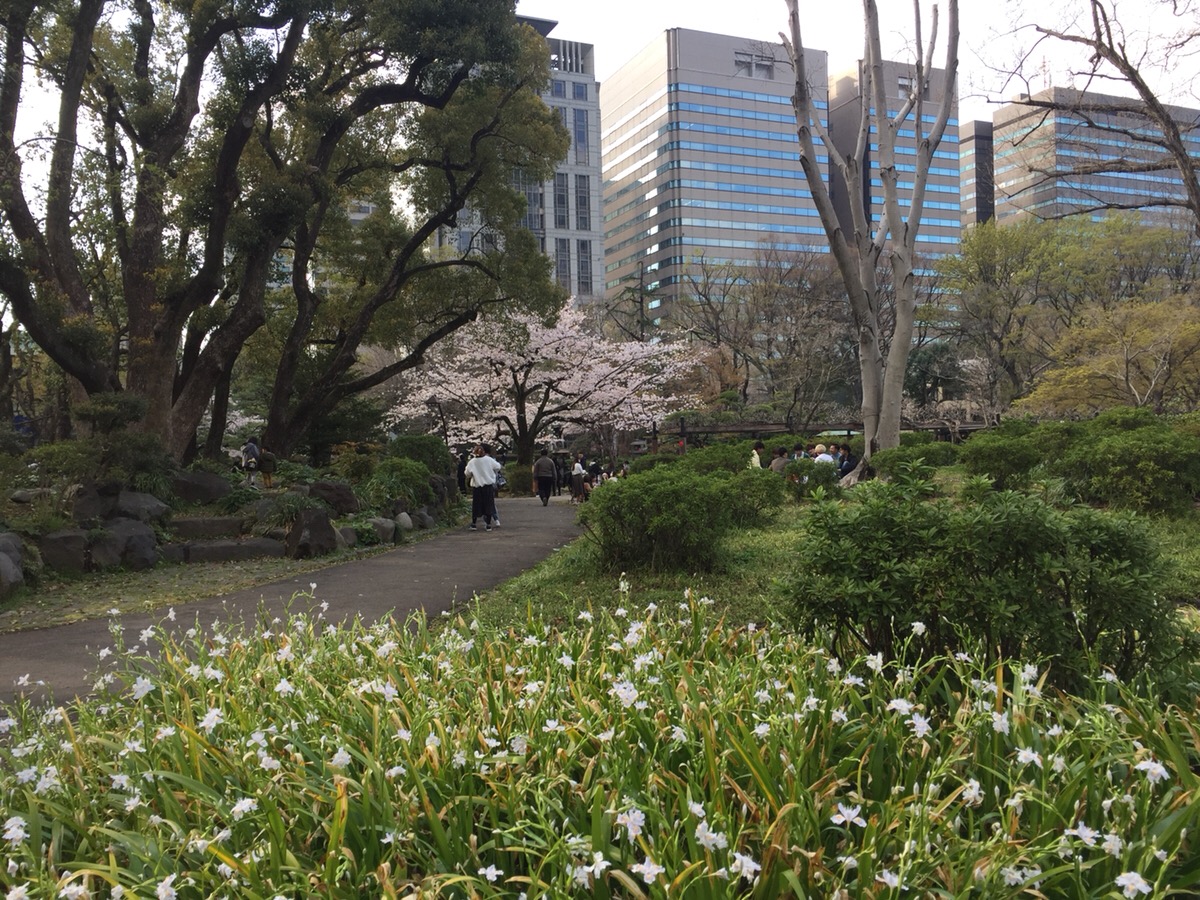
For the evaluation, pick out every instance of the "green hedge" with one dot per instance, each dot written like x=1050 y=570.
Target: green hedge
x=666 y=519
x=1010 y=571
x=397 y=478
x=936 y=454
x=424 y=448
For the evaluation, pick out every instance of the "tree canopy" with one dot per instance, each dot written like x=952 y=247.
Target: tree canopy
x=196 y=181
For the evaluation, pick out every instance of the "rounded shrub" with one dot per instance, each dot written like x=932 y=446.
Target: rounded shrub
x=1008 y=459
x=1011 y=572
x=731 y=458
x=804 y=476
x=936 y=454
x=667 y=519
x=1149 y=469
x=424 y=448
x=520 y=479
x=397 y=478
x=752 y=494
x=652 y=460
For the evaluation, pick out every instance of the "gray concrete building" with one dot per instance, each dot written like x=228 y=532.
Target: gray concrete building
x=700 y=161
x=1038 y=147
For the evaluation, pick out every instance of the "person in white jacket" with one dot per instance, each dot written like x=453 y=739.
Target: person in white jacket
x=481 y=474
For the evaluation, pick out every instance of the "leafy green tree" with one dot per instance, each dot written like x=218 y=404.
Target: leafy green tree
x=202 y=150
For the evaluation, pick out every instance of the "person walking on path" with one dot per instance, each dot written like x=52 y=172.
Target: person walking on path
x=250 y=460
x=500 y=482
x=577 y=474
x=266 y=467
x=481 y=476
x=545 y=473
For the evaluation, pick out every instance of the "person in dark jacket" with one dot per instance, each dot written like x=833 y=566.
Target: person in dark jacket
x=545 y=474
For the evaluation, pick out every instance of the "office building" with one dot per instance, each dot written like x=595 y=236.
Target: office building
x=941 y=220
x=976 y=178
x=564 y=213
x=1042 y=140
x=700 y=161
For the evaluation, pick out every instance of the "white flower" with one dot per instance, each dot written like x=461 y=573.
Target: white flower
x=243 y=806
x=284 y=687
x=553 y=725
x=649 y=870
x=918 y=628
x=73 y=892
x=875 y=662
x=696 y=809
x=433 y=740
x=920 y=725
x=1025 y=756
x=709 y=839
x=21 y=892
x=1112 y=844
x=972 y=794
x=1132 y=884
x=491 y=873
x=1085 y=834
x=341 y=759
x=886 y=876
x=848 y=862
x=633 y=821
x=1000 y=722
x=625 y=693
x=211 y=720
x=900 y=705
x=848 y=815
x=744 y=866
x=1155 y=772
x=165 y=891
x=762 y=729
x=14 y=830
x=519 y=744
x=142 y=687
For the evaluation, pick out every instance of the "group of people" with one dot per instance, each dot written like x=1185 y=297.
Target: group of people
x=257 y=460
x=838 y=455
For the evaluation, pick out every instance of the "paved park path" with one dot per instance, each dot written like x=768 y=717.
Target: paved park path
x=432 y=575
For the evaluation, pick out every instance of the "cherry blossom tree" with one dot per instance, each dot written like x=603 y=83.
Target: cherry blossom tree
x=516 y=380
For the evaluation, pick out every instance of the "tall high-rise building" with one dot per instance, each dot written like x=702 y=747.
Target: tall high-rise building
x=1040 y=148
x=977 y=172
x=941 y=219
x=565 y=212
x=701 y=161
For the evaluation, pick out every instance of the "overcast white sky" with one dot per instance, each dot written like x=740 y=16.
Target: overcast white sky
x=992 y=36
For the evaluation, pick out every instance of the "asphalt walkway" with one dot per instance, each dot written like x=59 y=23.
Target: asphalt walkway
x=432 y=575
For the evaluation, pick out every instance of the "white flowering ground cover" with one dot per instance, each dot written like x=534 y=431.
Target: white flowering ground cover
x=652 y=753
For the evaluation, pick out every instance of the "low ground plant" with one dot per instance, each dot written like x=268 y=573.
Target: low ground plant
x=656 y=752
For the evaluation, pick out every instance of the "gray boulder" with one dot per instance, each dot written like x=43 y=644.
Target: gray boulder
x=200 y=487
x=423 y=519
x=143 y=507
x=385 y=529
x=404 y=521
x=232 y=551
x=346 y=537
x=29 y=495
x=311 y=535
x=12 y=546
x=338 y=495
x=139 y=544
x=11 y=576
x=206 y=527
x=95 y=501
x=66 y=550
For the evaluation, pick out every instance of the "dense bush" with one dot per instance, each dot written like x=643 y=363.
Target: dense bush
x=284 y=509
x=730 y=458
x=353 y=461
x=424 y=448
x=134 y=459
x=1150 y=469
x=751 y=494
x=1008 y=459
x=803 y=476
x=664 y=519
x=1011 y=572
x=936 y=454
x=397 y=478
x=649 y=461
x=520 y=479
x=239 y=498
